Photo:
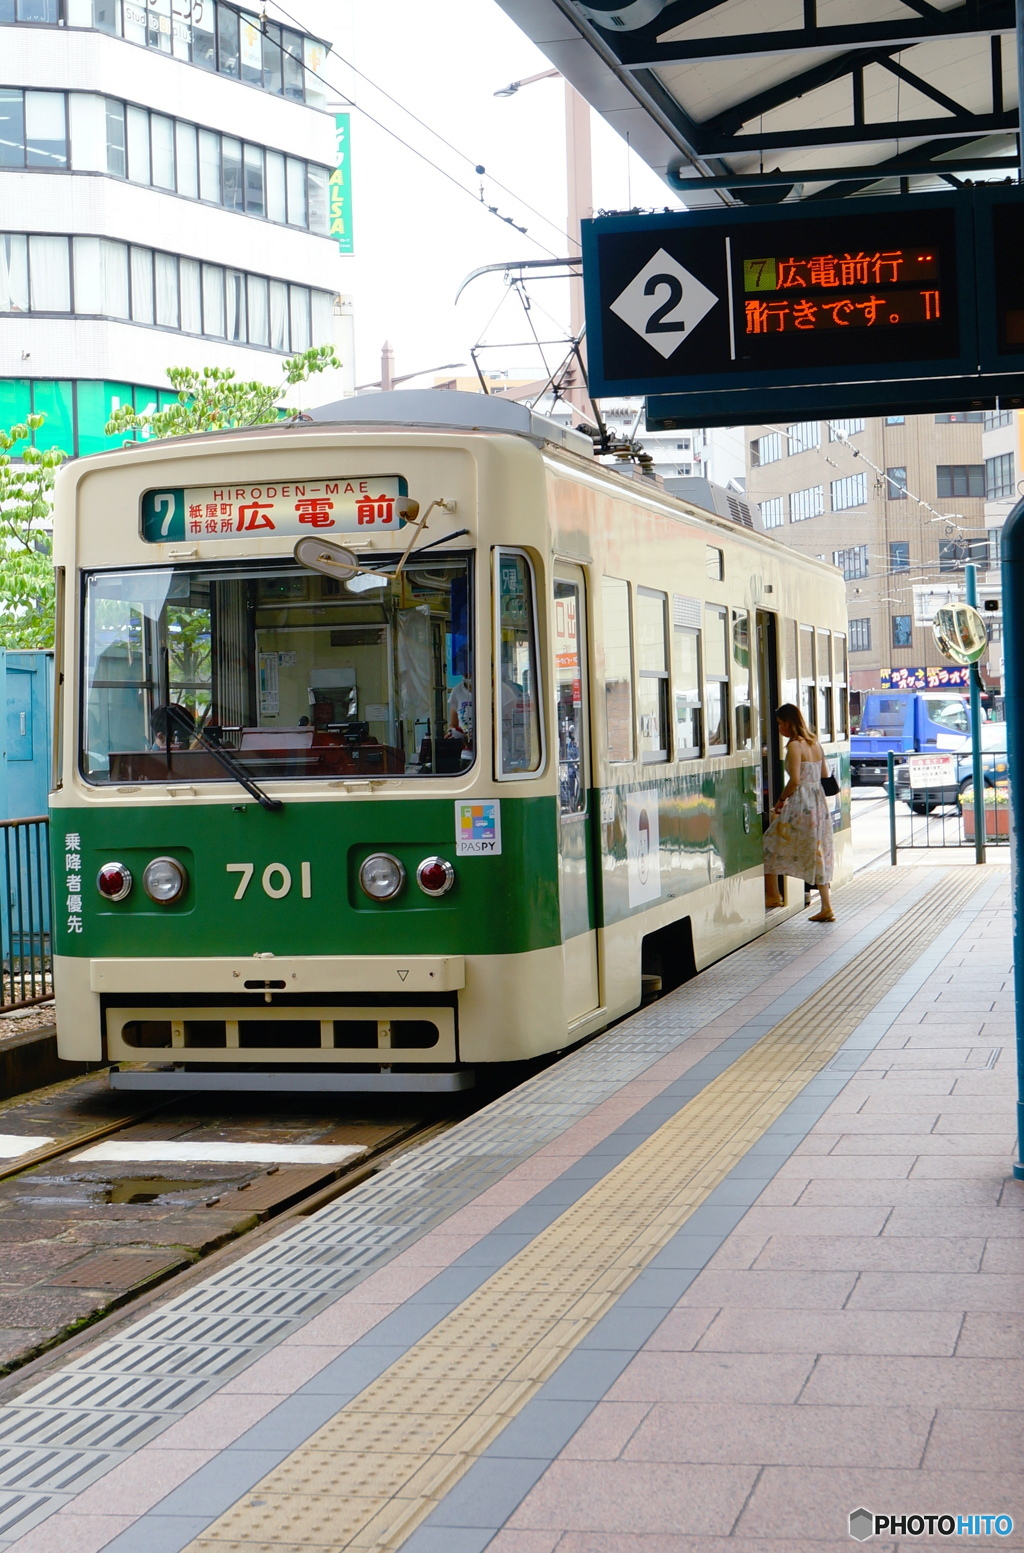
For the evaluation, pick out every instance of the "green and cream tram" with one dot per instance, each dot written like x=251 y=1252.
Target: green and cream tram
x=454 y=803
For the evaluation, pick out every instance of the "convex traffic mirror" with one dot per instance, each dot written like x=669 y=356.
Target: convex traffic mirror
x=960 y=634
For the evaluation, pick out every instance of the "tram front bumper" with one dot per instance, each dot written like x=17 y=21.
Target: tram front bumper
x=299 y=974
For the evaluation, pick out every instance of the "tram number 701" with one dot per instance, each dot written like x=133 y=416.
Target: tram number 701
x=276 y=880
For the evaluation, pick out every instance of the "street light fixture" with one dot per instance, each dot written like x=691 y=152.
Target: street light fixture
x=580 y=200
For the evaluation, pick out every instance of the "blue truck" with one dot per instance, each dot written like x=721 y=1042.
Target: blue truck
x=908 y=722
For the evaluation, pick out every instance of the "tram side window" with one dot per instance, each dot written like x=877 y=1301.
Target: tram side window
x=519 y=743
x=741 y=678
x=686 y=665
x=790 y=663
x=652 y=666
x=808 y=687
x=715 y=561
x=716 y=678
x=618 y=668
x=823 y=659
x=570 y=708
x=839 y=682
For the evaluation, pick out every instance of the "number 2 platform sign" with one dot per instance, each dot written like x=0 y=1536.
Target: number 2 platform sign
x=843 y=291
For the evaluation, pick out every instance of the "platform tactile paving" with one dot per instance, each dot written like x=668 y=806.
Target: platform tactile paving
x=439 y=1405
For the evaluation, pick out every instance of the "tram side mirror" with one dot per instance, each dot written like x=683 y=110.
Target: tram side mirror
x=320 y=555
x=960 y=633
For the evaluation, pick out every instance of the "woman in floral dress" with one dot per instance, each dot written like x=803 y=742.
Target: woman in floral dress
x=798 y=842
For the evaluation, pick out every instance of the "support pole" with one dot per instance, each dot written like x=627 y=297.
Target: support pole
x=891 y=789
x=977 y=780
x=1013 y=690
x=1020 y=91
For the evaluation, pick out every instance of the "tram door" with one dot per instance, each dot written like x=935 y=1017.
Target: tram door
x=772 y=779
x=576 y=876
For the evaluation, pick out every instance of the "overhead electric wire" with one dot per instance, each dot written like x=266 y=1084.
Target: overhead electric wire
x=477 y=200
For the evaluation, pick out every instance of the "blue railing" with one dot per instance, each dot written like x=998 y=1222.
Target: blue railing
x=25 y=936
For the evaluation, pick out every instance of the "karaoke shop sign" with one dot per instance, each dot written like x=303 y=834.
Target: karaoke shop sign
x=286 y=507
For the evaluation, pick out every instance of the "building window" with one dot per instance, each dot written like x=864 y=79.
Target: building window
x=81 y=132
x=899 y=555
x=219 y=38
x=992 y=419
x=36 y=277
x=860 y=634
x=902 y=631
x=853 y=562
x=837 y=430
x=766 y=450
x=33 y=129
x=896 y=483
x=850 y=492
x=999 y=478
x=960 y=417
x=895 y=420
x=771 y=513
x=803 y=436
x=684 y=469
x=960 y=479
x=808 y=503
x=955 y=553
x=995 y=547
x=684 y=446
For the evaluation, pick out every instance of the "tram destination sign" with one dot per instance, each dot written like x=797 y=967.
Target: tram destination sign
x=843 y=291
x=345 y=505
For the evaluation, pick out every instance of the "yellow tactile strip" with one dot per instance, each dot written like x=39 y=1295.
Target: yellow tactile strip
x=369 y=1477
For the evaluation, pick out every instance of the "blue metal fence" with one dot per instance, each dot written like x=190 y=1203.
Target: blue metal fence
x=25 y=937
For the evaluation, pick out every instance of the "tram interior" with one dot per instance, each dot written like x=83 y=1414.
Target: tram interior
x=277 y=670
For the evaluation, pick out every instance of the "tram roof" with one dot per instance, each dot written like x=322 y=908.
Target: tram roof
x=813 y=98
x=451 y=410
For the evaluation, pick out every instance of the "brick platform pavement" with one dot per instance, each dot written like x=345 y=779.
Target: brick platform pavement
x=858 y=1339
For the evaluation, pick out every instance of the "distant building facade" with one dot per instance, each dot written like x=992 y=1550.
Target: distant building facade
x=853 y=492
x=164 y=193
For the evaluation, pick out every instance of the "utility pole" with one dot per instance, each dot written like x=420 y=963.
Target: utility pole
x=579 y=181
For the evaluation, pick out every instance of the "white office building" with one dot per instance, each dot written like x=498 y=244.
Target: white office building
x=163 y=202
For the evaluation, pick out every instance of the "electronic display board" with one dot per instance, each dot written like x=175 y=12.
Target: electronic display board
x=837 y=292
x=999 y=230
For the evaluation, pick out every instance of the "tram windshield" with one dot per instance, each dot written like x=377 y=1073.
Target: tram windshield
x=287 y=673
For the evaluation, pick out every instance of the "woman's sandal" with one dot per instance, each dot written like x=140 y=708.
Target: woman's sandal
x=823 y=916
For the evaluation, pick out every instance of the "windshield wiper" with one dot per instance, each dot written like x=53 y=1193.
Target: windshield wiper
x=224 y=758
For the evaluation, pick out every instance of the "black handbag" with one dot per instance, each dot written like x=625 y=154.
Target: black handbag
x=830 y=786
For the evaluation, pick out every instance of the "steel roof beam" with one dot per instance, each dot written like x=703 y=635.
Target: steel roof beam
x=974 y=126
x=787 y=91
x=910 y=164
x=637 y=53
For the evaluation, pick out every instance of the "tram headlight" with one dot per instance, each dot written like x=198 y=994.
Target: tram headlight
x=435 y=876
x=164 y=880
x=114 y=881
x=381 y=876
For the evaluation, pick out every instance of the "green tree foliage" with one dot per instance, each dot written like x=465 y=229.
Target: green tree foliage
x=26 y=501
x=212 y=399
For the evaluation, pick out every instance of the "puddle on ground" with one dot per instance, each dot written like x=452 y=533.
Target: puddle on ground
x=149 y=1188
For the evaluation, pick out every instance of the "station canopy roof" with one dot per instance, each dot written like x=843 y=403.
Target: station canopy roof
x=753 y=101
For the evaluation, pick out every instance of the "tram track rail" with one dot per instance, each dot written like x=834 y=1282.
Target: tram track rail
x=268 y=1224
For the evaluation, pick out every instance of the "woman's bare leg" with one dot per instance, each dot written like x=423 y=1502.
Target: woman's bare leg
x=772 y=898
x=825 y=914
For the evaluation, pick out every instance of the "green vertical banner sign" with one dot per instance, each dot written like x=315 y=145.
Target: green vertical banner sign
x=341 y=184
